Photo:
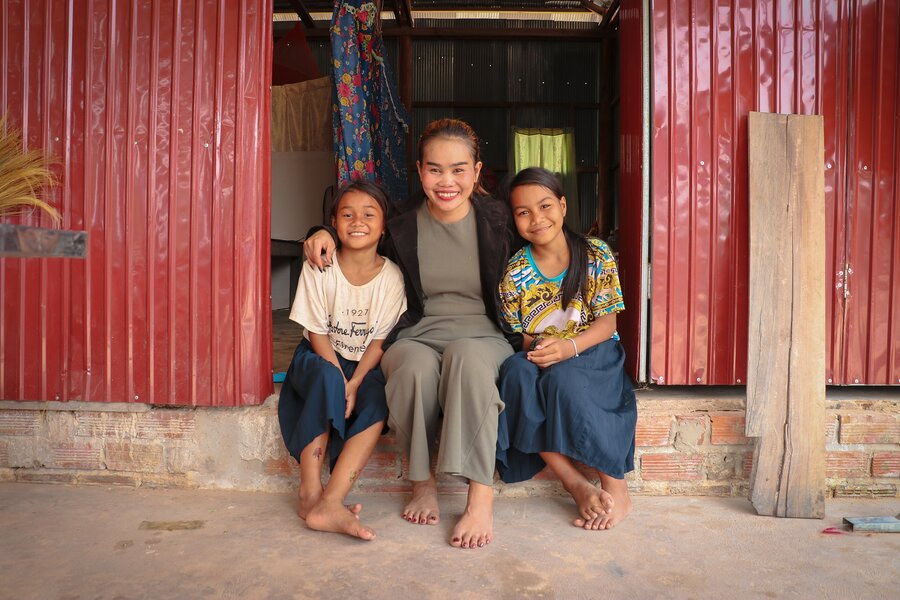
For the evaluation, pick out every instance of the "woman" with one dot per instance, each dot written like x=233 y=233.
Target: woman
x=444 y=355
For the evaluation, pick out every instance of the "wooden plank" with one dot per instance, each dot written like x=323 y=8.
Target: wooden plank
x=768 y=342
x=19 y=241
x=403 y=10
x=471 y=33
x=786 y=346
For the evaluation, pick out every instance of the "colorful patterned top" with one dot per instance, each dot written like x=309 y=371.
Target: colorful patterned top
x=532 y=303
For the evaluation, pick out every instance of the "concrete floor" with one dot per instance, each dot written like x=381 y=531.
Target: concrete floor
x=87 y=542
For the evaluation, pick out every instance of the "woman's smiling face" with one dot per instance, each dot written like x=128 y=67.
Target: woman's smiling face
x=448 y=176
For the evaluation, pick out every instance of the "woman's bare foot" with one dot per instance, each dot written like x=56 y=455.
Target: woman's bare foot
x=475 y=527
x=621 y=508
x=423 y=506
x=334 y=517
x=592 y=501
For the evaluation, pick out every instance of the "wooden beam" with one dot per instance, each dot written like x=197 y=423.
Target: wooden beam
x=594 y=8
x=786 y=341
x=610 y=14
x=406 y=96
x=303 y=13
x=477 y=104
x=38 y=242
x=460 y=33
x=403 y=10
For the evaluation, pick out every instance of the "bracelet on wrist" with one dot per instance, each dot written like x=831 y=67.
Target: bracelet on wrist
x=534 y=342
x=574 y=345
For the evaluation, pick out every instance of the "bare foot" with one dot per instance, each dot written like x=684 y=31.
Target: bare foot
x=423 y=506
x=592 y=501
x=336 y=518
x=307 y=500
x=621 y=508
x=475 y=527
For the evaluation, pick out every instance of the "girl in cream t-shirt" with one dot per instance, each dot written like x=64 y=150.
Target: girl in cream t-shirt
x=333 y=396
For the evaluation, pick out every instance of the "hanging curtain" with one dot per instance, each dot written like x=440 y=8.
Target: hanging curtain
x=301 y=116
x=370 y=122
x=554 y=150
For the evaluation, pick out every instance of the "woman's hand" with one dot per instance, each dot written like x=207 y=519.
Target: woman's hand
x=550 y=351
x=319 y=248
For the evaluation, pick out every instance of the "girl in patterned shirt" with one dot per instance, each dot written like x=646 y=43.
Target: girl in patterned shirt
x=568 y=399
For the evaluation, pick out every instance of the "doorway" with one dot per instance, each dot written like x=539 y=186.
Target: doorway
x=501 y=77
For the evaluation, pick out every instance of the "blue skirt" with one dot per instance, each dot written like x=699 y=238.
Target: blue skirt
x=312 y=402
x=583 y=408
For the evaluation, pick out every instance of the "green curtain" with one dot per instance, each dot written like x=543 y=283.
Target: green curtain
x=554 y=150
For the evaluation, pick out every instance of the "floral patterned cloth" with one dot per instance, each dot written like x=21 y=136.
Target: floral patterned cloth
x=370 y=122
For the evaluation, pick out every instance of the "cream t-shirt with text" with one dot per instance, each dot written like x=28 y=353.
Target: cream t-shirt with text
x=350 y=315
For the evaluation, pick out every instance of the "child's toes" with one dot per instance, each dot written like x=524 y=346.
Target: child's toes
x=601 y=509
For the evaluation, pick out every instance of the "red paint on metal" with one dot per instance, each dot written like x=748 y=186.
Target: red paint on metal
x=872 y=319
x=158 y=115
x=631 y=202
x=713 y=64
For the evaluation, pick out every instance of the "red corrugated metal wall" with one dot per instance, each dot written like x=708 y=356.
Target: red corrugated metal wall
x=631 y=202
x=712 y=64
x=867 y=56
x=158 y=115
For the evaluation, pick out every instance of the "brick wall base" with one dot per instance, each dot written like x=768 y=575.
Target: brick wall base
x=689 y=442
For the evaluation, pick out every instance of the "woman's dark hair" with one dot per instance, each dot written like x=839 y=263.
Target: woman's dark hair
x=453 y=129
x=370 y=188
x=573 y=282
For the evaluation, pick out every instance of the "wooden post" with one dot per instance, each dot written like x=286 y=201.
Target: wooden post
x=406 y=96
x=786 y=346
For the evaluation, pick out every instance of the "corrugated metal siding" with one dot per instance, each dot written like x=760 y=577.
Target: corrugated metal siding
x=469 y=72
x=867 y=42
x=158 y=116
x=631 y=201
x=712 y=64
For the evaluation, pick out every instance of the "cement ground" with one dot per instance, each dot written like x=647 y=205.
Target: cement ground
x=87 y=542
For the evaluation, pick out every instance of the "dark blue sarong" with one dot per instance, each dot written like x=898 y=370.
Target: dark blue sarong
x=583 y=408
x=312 y=402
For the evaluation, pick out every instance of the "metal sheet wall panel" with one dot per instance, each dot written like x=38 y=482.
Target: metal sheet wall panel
x=631 y=202
x=834 y=104
x=698 y=268
x=473 y=72
x=712 y=64
x=871 y=348
x=157 y=114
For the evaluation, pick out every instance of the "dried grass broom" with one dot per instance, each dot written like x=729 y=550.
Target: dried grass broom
x=23 y=175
